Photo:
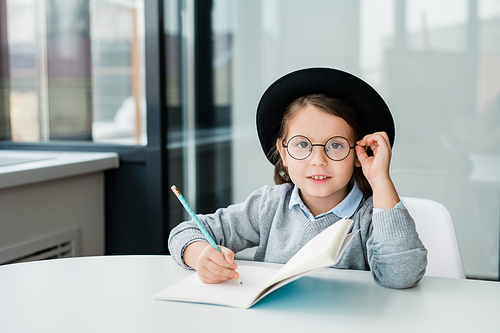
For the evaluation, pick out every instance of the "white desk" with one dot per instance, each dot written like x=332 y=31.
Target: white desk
x=114 y=294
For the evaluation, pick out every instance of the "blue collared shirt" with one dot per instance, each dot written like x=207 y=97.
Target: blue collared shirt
x=346 y=207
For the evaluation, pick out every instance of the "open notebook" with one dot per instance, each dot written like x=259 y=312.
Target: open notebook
x=324 y=250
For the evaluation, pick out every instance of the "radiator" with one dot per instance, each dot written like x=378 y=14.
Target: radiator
x=64 y=243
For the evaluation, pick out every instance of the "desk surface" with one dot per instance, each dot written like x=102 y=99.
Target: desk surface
x=114 y=294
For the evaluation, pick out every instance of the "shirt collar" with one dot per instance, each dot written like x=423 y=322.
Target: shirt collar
x=346 y=207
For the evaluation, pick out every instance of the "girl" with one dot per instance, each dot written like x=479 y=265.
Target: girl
x=329 y=135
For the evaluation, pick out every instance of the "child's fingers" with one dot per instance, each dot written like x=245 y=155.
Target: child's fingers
x=216 y=274
x=213 y=266
x=376 y=142
x=224 y=258
x=361 y=153
x=228 y=254
x=376 y=166
x=377 y=138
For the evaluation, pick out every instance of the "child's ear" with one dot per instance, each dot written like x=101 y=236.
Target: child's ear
x=282 y=151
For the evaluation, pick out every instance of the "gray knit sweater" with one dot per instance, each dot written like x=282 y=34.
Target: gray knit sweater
x=387 y=243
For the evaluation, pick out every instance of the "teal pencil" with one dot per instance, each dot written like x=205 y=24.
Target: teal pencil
x=195 y=219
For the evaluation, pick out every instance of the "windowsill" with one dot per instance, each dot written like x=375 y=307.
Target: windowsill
x=21 y=167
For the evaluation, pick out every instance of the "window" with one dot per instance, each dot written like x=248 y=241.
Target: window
x=76 y=71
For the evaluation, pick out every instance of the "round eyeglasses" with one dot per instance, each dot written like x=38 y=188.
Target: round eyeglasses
x=336 y=148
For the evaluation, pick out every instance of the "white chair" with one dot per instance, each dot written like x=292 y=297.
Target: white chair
x=435 y=228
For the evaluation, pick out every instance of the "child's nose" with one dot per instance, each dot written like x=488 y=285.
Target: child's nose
x=318 y=156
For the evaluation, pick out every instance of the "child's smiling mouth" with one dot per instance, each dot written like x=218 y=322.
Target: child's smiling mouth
x=318 y=178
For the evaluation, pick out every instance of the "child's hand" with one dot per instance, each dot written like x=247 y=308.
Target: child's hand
x=377 y=166
x=376 y=169
x=212 y=266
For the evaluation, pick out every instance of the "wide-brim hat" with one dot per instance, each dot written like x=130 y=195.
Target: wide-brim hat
x=365 y=100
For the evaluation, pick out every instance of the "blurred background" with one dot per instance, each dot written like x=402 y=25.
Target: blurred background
x=173 y=85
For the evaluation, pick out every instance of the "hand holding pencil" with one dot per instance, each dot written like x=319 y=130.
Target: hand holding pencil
x=214 y=264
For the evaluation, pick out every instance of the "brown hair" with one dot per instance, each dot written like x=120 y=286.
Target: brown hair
x=331 y=105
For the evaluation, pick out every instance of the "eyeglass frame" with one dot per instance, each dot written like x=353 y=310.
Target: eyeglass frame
x=315 y=145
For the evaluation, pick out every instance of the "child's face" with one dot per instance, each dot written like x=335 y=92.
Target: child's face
x=322 y=181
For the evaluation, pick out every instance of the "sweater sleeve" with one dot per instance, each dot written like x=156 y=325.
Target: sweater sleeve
x=235 y=227
x=396 y=254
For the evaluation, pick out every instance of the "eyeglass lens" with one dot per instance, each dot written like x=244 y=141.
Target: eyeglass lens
x=300 y=147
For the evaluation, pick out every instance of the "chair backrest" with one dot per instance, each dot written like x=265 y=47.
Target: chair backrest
x=435 y=228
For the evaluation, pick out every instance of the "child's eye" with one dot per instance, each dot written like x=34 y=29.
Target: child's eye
x=335 y=145
x=302 y=145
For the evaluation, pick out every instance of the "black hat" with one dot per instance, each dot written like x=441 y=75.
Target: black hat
x=333 y=82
